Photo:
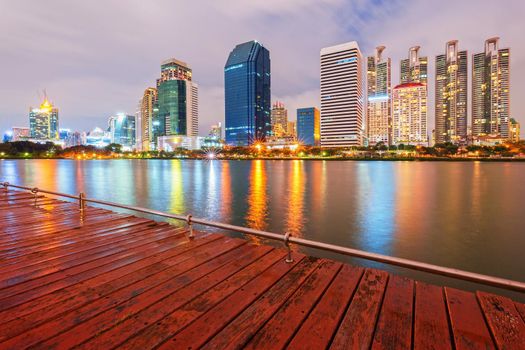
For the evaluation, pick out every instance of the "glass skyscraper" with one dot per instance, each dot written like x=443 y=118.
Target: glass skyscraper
x=247 y=94
x=176 y=107
x=308 y=126
x=123 y=130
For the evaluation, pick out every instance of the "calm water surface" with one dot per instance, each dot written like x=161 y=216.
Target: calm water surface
x=467 y=215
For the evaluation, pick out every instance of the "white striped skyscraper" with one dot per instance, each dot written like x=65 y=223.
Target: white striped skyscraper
x=341 y=96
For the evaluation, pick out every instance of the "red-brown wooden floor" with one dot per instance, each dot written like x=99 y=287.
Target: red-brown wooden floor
x=104 y=280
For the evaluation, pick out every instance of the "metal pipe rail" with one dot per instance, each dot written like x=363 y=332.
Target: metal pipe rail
x=287 y=240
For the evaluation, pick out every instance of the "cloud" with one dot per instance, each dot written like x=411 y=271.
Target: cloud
x=96 y=59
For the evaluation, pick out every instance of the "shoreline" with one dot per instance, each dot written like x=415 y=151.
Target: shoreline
x=408 y=159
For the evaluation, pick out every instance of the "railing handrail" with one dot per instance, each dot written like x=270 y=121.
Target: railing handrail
x=287 y=239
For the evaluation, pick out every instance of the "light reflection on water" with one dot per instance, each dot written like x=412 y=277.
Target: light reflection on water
x=467 y=215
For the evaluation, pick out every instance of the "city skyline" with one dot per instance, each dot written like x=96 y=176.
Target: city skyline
x=295 y=72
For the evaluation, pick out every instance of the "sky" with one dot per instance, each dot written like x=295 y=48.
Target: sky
x=95 y=58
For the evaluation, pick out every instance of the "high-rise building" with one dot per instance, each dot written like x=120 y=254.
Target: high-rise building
x=414 y=69
x=75 y=139
x=176 y=109
x=491 y=91
x=20 y=133
x=341 y=96
x=122 y=130
x=146 y=113
x=43 y=121
x=216 y=131
x=247 y=94
x=308 y=126
x=409 y=114
x=291 y=132
x=451 y=95
x=379 y=98
x=279 y=119
x=514 y=130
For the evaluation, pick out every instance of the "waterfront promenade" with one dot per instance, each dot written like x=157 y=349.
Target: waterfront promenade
x=100 y=280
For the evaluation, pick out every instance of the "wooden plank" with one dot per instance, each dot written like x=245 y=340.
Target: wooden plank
x=246 y=324
x=505 y=323
x=205 y=327
x=155 y=286
x=394 y=328
x=468 y=325
x=179 y=290
x=317 y=330
x=25 y=292
x=278 y=331
x=31 y=314
x=357 y=327
x=521 y=310
x=133 y=230
x=153 y=325
x=46 y=282
x=104 y=236
x=431 y=328
x=23 y=275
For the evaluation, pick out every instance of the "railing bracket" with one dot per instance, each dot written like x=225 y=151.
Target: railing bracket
x=289 y=258
x=190 y=227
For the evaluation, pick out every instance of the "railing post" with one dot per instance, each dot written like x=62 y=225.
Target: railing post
x=81 y=203
x=289 y=258
x=190 y=227
x=34 y=191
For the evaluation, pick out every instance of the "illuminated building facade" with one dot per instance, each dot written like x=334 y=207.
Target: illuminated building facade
x=176 y=109
x=451 y=95
x=279 y=118
x=308 y=126
x=342 y=96
x=43 y=122
x=247 y=94
x=146 y=113
x=216 y=131
x=409 y=114
x=414 y=69
x=514 y=130
x=379 y=98
x=122 y=130
x=98 y=138
x=20 y=133
x=491 y=91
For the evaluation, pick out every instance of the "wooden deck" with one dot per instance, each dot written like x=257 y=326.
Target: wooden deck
x=104 y=280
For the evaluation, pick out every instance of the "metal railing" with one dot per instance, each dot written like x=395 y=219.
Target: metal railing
x=287 y=239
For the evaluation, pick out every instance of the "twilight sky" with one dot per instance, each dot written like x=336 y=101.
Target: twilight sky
x=95 y=58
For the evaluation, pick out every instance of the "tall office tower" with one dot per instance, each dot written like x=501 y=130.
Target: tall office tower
x=176 y=110
x=409 y=114
x=247 y=94
x=341 y=96
x=147 y=108
x=379 y=98
x=122 y=130
x=279 y=119
x=514 y=130
x=43 y=121
x=491 y=91
x=414 y=69
x=308 y=126
x=451 y=95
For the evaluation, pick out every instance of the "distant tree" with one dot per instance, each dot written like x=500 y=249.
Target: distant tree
x=114 y=148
